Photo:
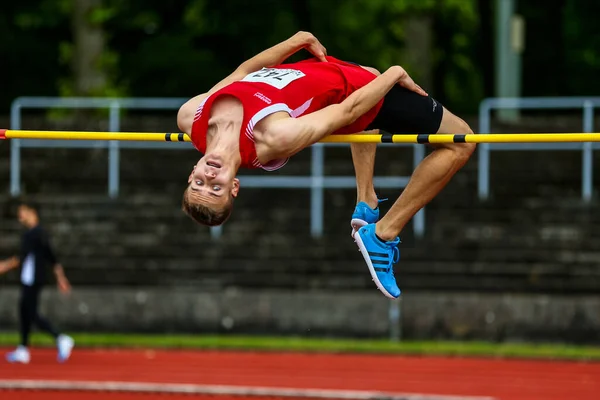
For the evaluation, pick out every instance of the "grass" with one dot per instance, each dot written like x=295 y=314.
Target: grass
x=203 y=342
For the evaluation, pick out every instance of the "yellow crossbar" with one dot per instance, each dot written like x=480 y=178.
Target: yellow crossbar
x=357 y=138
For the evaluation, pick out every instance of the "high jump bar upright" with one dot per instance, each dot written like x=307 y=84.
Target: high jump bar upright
x=356 y=138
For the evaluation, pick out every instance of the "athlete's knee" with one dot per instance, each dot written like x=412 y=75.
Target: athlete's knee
x=465 y=150
x=455 y=125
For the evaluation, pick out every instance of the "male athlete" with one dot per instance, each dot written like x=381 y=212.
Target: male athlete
x=265 y=112
x=36 y=257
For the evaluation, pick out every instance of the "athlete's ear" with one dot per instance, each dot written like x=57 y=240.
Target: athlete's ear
x=191 y=175
x=236 y=187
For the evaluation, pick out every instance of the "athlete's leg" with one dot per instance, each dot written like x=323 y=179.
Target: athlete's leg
x=26 y=313
x=21 y=354
x=64 y=343
x=404 y=111
x=42 y=322
x=429 y=178
x=363 y=159
x=366 y=210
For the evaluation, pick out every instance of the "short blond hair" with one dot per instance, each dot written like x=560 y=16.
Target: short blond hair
x=206 y=215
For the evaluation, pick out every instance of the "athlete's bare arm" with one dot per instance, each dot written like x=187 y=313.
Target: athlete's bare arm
x=270 y=57
x=61 y=279
x=287 y=136
x=7 y=265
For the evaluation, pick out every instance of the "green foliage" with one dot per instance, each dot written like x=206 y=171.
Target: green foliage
x=45 y=14
x=213 y=38
x=100 y=15
x=181 y=47
x=582 y=44
x=562 y=41
x=107 y=63
x=457 y=55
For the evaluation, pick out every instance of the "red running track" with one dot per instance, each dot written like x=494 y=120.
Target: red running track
x=502 y=379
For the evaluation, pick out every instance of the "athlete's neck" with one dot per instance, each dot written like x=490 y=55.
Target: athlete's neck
x=225 y=145
x=224 y=126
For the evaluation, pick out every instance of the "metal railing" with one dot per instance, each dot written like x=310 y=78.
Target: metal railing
x=586 y=103
x=317 y=182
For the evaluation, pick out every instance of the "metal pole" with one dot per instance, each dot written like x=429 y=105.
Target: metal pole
x=15 y=151
x=316 y=191
x=395 y=318
x=483 y=172
x=419 y=220
x=587 y=166
x=113 y=151
x=507 y=55
x=216 y=231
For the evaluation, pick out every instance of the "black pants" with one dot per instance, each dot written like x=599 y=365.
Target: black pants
x=404 y=111
x=28 y=309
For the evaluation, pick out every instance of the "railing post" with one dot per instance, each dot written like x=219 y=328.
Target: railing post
x=216 y=231
x=15 y=150
x=587 y=167
x=316 y=191
x=395 y=319
x=15 y=167
x=113 y=150
x=419 y=219
x=483 y=173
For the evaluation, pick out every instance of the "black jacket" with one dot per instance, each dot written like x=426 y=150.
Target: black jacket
x=36 y=242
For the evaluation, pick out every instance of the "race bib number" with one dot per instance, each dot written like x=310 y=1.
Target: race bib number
x=278 y=78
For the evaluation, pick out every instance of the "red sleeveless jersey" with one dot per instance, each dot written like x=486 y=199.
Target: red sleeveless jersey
x=298 y=88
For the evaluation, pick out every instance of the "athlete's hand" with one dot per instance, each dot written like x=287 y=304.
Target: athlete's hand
x=64 y=286
x=407 y=82
x=317 y=49
x=312 y=44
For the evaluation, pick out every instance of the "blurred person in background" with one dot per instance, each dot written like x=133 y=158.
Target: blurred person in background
x=36 y=257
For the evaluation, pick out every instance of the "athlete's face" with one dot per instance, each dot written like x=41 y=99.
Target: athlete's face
x=212 y=181
x=26 y=216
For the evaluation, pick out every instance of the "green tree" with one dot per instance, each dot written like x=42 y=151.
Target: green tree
x=582 y=47
x=29 y=44
x=92 y=64
x=562 y=41
x=435 y=40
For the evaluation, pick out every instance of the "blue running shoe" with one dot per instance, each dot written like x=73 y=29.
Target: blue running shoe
x=363 y=215
x=380 y=258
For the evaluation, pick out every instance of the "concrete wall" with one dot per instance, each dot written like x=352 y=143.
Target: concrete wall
x=492 y=317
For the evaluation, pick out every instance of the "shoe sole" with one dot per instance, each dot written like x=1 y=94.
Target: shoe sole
x=356 y=224
x=365 y=254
